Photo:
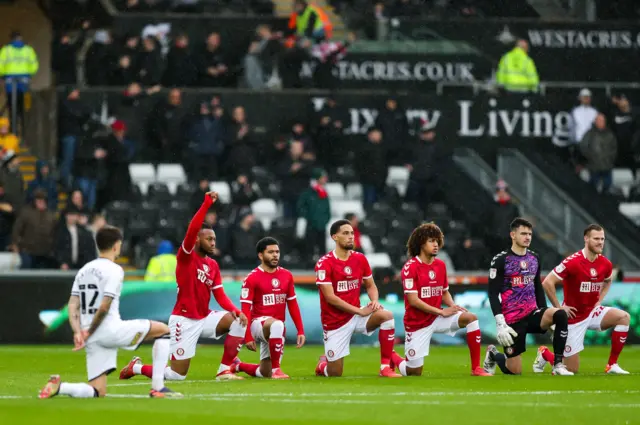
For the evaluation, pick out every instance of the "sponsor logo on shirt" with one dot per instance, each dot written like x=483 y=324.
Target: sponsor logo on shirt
x=431 y=291
x=590 y=286
x=348 y=285
x=273 y=299
x=520 y=281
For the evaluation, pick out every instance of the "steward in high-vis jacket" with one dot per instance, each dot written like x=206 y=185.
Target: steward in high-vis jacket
x=517 y=71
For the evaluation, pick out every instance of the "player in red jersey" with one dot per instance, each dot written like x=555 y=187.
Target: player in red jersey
x=424 y=279
x=198 y=276
x=266 y=293
x=339 y=275
x=586 y=277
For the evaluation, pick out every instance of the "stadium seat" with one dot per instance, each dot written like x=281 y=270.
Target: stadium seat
x=181 y=206
x=184 y=191
x=411 y=213
x=436 y=209
x=284 y=230
x=379 y=260
x=141 y=227
x=346 y=174
x=117 y=213
x=301 y=227
x=136 y=194
x=336 y=192
x=159 y=192
x=398 y=177
x=631 y=210
x=9 y=261
x=340 y=208
x=622 y=177
x=171 y=173
x=142 y=175
x=223 y=189
x=354 y=191
x=146 y=210
x=265 y=211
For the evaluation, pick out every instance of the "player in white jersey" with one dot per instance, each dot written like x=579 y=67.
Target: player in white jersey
x=94 y=316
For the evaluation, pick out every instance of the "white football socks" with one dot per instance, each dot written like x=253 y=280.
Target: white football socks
x=77 y=390
x=160 y=358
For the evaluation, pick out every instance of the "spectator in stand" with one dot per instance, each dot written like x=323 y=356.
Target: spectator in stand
x=45 y=182
x=600 y=149
x=33 y=234
x=326 y=54
x=146 y=5
x=221 y=228
x=294 y=172
x=624 y=126
x=242 y=149
x=149 y=63
x=329 y=124
x=392 y=121
x=357 y=235
x=299 y=134
x=74 y=244
x=131 y=47
x=162 y=267
x=212 y=64
x=76 y=201
x=120 y=152
x=470 y=254
x=187 y=6
x=72 y=116
x=206 y=145
x=314 y=206
x=164 y=128
x=64 y=54
x=198 y=195
x=8 y=140
x=502 y=213
x=124 y=72
x=127 y=105
x=244 y=192
x=12 y=180
x=100 y=59
x=244 y=238
x=181 y=68
x=96 y=223
x=426 y=160
x=261 y=59
x=371 y=166
x=90 y=168
x=582 y=118
x=517 y=72
x=7 y=217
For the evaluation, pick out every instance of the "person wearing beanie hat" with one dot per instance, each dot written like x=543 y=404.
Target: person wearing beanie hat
x=313 y=205
x=162 y=267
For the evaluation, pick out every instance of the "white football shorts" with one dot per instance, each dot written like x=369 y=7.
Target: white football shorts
x=185 y=333
x=416 y=344
x=577 y=331
x=336 y=342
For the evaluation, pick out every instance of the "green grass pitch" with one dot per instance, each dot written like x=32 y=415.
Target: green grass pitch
x=446 y=394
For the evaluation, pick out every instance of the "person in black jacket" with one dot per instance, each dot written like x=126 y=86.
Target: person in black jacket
x=74 y=245
x=150 y=63
x=120 y=152
x=213 y=68
x=392 y=121
x=425 y=164
x=164 y=128
x=181 y=68
x=90 y=168
x=64 y=54
x=294 y=171
x=371 y=166
x=72 y=116
x=100 y=59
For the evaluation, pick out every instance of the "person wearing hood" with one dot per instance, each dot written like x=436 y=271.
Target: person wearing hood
x=18 y=64
x=162 y=267
x=74 y=244
x=314 y=206
x=8 y=140
x=33 y=234
x=12 y=180
x=45 y=182
x=64 y=53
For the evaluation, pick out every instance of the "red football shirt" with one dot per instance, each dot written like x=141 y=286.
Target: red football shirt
x=582 y=282
x=196 y=277
x=268 y=293
x=346 y=278
x=429 y=282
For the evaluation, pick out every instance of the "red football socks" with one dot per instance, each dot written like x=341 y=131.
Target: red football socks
x=276 y=346
x=248 y=368
x=617 y=344
x=147 y=370
x=548 y=355
x=473 y=342
x=232 y=345
x=386 y=338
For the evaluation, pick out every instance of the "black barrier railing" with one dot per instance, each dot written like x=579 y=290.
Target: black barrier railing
x=607 y=87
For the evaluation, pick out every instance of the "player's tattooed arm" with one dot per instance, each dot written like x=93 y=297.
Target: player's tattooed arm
x=102 y=312
x=74 y=313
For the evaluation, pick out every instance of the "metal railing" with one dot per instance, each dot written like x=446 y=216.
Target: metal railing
x=480 y=171
x=478 y=86
x=560 y=210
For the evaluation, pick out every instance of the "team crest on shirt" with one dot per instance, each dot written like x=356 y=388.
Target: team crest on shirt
x=321 y=274
x=180 y=351
x=206 y=268
x=432 y=274
x=330 y=354
x=593 y=272
x=275 y=283
x=347 y=270
x=523 y=265
x=509 y=350
x=561 y=267
x=411 y=352
x=245 y=292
